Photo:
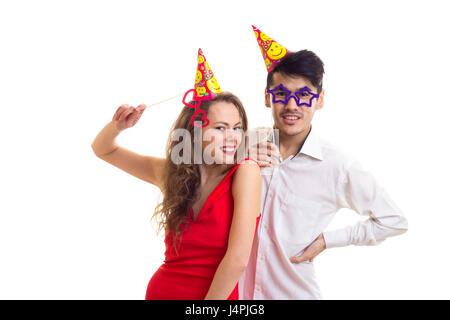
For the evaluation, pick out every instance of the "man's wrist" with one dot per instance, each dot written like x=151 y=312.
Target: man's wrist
x=335 y=238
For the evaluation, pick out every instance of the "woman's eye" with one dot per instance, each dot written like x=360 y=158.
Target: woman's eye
x=220 y=128
x=237 y=128
x=280 y=93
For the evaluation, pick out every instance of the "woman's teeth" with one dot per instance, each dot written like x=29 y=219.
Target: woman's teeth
x=227 y=148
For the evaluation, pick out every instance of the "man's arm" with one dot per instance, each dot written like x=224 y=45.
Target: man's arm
x=359 y=191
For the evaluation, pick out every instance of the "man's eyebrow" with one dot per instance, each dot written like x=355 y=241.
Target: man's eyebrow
x=296 y=90
x=310 y=89
x=278 y=88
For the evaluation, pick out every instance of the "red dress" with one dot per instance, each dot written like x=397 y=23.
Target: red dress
x=188 y=275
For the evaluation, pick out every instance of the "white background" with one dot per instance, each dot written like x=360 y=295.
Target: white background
x=74 y=227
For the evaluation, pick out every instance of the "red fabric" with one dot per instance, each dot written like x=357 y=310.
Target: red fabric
x=188 y=275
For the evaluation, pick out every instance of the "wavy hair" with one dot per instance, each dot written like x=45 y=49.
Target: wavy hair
x=181 y=181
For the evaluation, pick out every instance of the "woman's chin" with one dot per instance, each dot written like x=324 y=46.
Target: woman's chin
x=228 y=158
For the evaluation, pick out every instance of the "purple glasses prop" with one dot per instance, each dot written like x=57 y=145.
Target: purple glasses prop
x=303 y=97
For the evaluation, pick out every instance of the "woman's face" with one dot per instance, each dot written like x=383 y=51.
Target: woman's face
x=222 y=136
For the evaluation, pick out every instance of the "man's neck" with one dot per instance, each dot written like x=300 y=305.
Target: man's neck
x=290 y=145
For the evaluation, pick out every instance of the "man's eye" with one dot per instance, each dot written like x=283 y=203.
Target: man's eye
x=303 y=94
x=280 y=93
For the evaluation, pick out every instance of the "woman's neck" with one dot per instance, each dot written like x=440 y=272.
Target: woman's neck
x=210 y=172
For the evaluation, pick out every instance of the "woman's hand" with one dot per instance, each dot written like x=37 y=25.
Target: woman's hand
x=127 y=116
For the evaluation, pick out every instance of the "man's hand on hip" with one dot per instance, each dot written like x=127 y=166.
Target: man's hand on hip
x=312 y=251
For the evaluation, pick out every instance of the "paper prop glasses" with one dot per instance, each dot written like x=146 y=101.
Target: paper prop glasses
x=303 y=97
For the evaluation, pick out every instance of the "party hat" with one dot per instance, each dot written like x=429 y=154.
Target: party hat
x=206 y=88
x=206 y=85
x=271 y=50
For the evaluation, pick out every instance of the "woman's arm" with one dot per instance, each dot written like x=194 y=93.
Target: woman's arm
x=246 y=191
x=105 y=147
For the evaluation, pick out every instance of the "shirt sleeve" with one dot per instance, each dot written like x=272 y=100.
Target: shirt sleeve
x=358 y=190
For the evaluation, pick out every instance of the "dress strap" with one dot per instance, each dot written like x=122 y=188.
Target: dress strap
x=249 y=159
x=232 y=170
x=220 y=189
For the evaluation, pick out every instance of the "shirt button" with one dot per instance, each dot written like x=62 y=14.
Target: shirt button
x=265 y=225
x=263 y=257
x=257 y=288
x=271 y=194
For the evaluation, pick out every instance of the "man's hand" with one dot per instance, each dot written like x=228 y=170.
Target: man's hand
x=264 y=153
x=312 y=251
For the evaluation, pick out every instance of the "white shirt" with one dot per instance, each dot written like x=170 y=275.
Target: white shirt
x=300 y=196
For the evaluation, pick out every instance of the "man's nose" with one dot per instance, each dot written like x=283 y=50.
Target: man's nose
x=291 y=104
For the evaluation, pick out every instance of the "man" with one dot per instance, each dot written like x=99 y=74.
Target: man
x=305 y=182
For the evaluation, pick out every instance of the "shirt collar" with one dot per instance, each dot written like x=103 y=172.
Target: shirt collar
x=311 y=146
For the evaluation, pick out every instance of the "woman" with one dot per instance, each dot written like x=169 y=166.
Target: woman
x=209 y=211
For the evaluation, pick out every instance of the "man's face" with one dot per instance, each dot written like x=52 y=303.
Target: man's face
x=289 y=118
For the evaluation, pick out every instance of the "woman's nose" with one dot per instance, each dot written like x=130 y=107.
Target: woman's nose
x=232 y=135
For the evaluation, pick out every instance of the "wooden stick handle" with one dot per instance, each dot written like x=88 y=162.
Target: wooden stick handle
x=162 y=101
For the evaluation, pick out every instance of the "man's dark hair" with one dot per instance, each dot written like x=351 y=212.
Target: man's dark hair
x=303 y=63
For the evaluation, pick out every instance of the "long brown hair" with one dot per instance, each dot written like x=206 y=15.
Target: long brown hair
x=181 y=181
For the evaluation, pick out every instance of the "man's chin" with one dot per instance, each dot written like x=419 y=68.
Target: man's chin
x=291 y=133
x=290 y=130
